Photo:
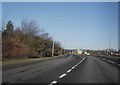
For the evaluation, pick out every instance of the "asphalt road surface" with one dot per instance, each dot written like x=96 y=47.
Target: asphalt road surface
x=93 y=70
x=66 y=69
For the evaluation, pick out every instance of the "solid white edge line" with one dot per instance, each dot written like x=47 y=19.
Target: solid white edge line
x=62 y=75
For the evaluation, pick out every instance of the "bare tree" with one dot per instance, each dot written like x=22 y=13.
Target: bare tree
x=29 y=27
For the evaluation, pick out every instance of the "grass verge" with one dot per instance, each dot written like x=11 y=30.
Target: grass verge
x=16 y=61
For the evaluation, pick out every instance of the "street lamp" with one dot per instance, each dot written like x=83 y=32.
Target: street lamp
x=61 y=50
x=60 y=20
x=109 y=43
x=53 y=48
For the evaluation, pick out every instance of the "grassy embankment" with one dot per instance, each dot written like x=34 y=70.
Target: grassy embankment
x=15 y=61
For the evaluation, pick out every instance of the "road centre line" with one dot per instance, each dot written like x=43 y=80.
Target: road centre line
x=102 y=58
x=54 y=82
x=111 y=62
x=69 y=70
x=76 y=65
x=62 y=75
x=108 y=60
x=73 y=67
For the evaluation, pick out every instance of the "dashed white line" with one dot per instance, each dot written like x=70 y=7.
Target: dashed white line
x=102 y=58
x=108 y=60
x=73 y=67
x=82 y=60
x=62 y=75
x=54 y=82
x=111 y=62
x=69 y=70
x=77 y=64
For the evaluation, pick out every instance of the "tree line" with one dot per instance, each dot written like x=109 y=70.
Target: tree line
x=27 y=41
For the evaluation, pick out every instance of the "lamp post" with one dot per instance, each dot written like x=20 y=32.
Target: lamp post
x=61 y=50
x=53 y=48
x=59 y=21
x=109 y=43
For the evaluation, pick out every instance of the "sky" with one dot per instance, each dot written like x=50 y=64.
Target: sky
x=60 y=0
x=81 y=25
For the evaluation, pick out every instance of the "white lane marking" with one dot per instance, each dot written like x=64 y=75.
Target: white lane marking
x=82 y=60
x=69 y=70
x=78 y=63
x=102 y=58
x=108 y=60
x=111 y=62
x=73 y=67
x=54 y=82
x=62 y=75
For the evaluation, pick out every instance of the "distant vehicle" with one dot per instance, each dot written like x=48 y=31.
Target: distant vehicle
x=87 y=53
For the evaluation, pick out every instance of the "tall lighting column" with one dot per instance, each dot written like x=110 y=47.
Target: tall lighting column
x=53 y=48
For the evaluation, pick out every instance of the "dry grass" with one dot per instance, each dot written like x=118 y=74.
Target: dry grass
x=15 y=61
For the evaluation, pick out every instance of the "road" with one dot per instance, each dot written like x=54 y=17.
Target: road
x=66 y=69
x=92 y=70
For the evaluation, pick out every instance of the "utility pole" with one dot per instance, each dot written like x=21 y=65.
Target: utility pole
x=61 y=50
x=53 y=49
x=98 y=49
x=64 y=51
x=109 y=43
